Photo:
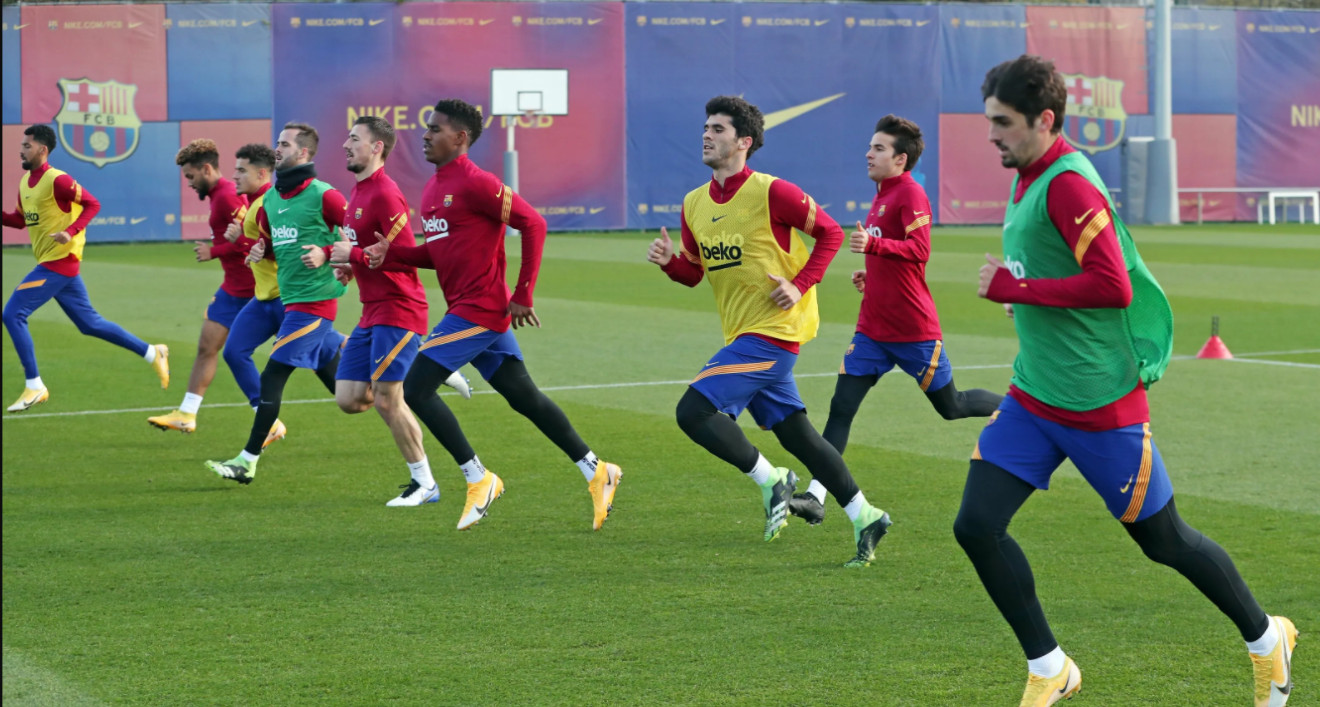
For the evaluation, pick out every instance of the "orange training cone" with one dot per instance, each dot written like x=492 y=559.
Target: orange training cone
x=1214 y=346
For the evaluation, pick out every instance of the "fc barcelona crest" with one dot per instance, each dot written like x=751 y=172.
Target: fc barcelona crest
x=358 y=214
x=97 y=121
x=1094 y=119
x=449 y=200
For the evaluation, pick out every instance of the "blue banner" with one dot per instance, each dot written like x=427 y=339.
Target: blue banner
x=974 y=39
x=1204 y=57
x=219 y=61
x=13 y=64
x=1278 y=86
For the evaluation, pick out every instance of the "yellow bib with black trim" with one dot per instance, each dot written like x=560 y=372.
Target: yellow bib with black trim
x=263 y=271
x=45 y=217
x=738 y=251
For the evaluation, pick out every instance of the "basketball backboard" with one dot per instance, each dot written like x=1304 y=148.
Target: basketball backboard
x=520 y=91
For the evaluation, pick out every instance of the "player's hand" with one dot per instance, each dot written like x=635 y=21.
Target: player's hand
x=523 y=316
x=375 y=254
x=258 y=252
x=786 y=294
x=340 y=251
x=313 y=256
x=859 y=280
x=234 y=231
x=62 y=237
x=1008 y=310
x=343 y=272
x=992 y=266
x=857 y=240
x=203 y=251
x=662 y=249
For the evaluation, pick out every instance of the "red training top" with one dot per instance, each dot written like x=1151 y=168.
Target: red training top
x=226 y=205
x=464 y=209
x=67 y=193
x=896 y=303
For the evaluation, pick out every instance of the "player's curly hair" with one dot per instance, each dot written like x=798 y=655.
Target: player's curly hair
x=258 y=155
x=907 y=138
x=307 y=137
x=380 y=129
x=1029 y=85
x=463 y=116
x=197 y=153
x=747 y=119
x=43 y=135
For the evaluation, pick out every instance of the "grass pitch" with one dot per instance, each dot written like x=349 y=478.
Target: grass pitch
x=134 y=576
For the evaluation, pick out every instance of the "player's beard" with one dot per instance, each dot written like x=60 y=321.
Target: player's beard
x=202 y=190
x=27 y=166
x=356 y=167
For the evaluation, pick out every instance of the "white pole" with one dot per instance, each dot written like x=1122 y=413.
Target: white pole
x=510 y=164
x=1162 y=193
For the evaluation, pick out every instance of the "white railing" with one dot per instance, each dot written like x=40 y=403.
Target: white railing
x=1273 y=195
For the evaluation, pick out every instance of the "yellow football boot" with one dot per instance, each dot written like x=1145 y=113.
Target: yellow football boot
x=29 y=398
x=602 y=487
x=1273 y=672
x=277 y=432
x=185 y=422
x=479 y=497
x=1042 y=692
x=162 y=364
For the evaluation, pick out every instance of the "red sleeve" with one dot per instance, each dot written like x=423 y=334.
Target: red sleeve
x=67 y=193
x=15 y=218
x=263 y=228
x=532 y=227
x=1081 y=213
x=915 y=247
x=333 y=208
x=790 y=206
x=685 y=267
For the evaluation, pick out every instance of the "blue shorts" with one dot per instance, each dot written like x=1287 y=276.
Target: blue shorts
x=751 y=374
x=379 y=353
x=256 y=322
x=224 y=308
x=923 y=360
x=1122 y=465
x=455 y=341
x=306 y=341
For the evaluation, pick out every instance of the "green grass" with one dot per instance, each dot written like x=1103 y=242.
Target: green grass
x=134 y=576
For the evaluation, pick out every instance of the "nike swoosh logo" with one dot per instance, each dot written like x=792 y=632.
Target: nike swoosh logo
x=1127 y=486
x=922 y=23
x=713 y=219
x=784 y=115
x=1215 y=27
x=395 y=217
x=483 y=23
x=249 y=23
x=489 y=493
x=712 y=363
x=373 y=23
x=595 y=22
x=597 y=209
x=714 y=22
x=820 y=22
x=918 y=213
x=382 y=358
x=134 y=25
x=21 y=26
x=500 y=193
x=1079 y=219
x=283 y=210
x=136 y=221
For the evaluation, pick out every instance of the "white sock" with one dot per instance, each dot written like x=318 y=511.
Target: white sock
x=817 y=490
x=421 y=473
x=150 y=355
x=762 y=472
x=1265 y=644
x=855 y=506
x=35 y=383
x=191 y=402
x=473 y=471
x=1048 y=665
x=588 y=465
x=248 y=456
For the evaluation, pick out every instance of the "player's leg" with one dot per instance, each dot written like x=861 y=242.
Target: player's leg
x=1013 y=458
x=36 y=289
x=1126 y=468
x=928 y=364
x=390 y=354
x=512 y=381
x=353 y=391
x=220 y=316
x=75 y=303
x=256 y=322
x=954 y=404
x=849 y=392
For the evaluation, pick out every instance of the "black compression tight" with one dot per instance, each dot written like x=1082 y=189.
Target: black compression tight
x=273 y=379
x=948 y=401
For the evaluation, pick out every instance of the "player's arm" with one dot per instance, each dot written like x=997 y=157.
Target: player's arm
x=915 y=245
x=790 y=207
x=683 y=266
x=498 y=202
x=236 y=206
x=1081 y=214
x=262 y=247
x=15 y=218
x=69 y=192
x=397 y=230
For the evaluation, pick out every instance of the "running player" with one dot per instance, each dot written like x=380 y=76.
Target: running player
x=740 y=231
x=200 y=162
x=300 y=216
x=55 y=210
x=464 y=211
x=1094 y=331
x=897 y=323
x=384 y=344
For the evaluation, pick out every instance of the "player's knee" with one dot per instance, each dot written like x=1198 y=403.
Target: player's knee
x=693 y=411
x=416 y=391
x=14 y=315
x=974 y=529
x=842 y=409
x=233 y=356
x=350 y=403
